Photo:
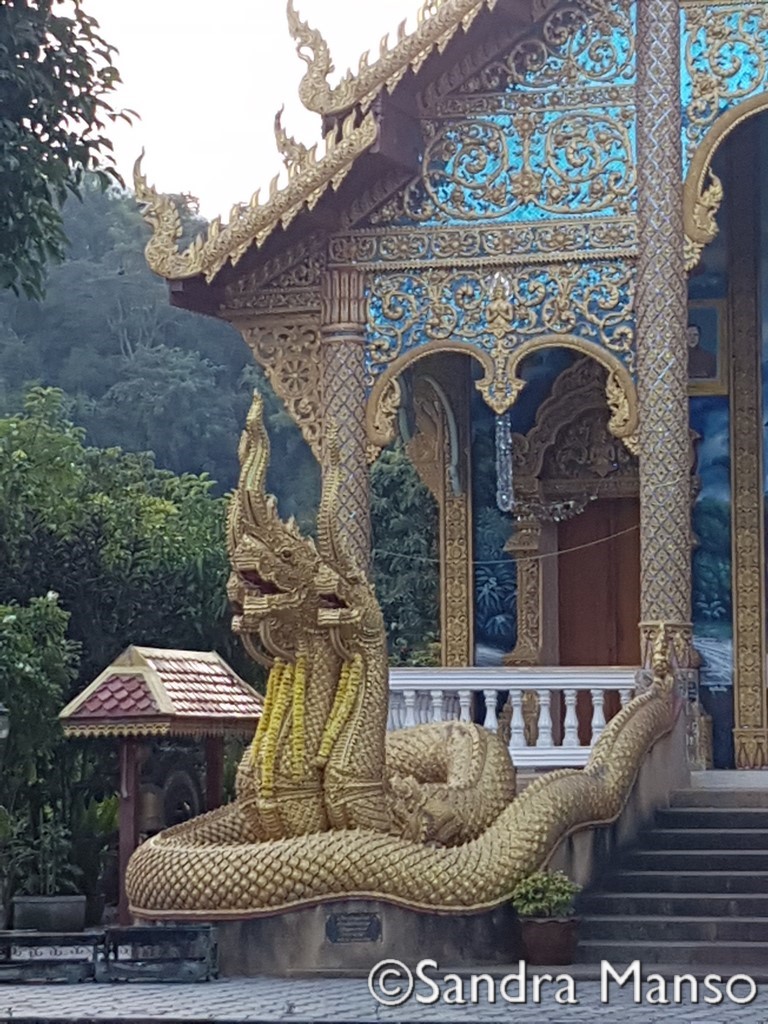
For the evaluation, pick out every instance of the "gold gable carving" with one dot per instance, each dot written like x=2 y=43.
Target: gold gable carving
x=251 y=223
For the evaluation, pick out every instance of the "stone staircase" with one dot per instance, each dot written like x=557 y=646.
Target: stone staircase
x=693 y=890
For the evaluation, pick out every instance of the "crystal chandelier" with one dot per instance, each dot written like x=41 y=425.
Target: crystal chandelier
x=527 y=508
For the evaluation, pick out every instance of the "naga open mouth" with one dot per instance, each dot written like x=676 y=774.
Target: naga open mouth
x=254 y=582
x=332 y=601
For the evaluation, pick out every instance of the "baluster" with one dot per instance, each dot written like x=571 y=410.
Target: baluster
x=465 y=700
x=571 y=736
x=410 y=708
x=423 y=707
x=516 y=725
x=491 y=721
x=544 y=739
x=391 y=719
x=598 y=714
x=625 y=695
x=437 y=705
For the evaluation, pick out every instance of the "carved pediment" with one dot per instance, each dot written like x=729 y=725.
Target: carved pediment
x=571 y=443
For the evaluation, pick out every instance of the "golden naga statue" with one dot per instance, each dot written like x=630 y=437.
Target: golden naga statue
x=329 y=805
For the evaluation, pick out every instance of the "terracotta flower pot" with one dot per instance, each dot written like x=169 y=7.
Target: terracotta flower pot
x=549 y=940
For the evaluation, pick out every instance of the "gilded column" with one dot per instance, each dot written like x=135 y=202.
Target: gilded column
x=343 y=319
x=661 y=306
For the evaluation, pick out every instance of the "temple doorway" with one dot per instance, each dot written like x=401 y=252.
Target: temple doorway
x=599 y=584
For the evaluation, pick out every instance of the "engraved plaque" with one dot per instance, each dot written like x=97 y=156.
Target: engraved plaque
x=353 y=928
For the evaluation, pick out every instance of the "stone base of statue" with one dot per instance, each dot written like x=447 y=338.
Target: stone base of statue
x=354 y=935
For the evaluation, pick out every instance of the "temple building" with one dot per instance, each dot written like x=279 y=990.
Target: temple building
x=534 y=246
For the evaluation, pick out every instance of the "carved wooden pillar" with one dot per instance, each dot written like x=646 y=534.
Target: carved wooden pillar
x=750 y=700
x=343 y=319
x=661 y=305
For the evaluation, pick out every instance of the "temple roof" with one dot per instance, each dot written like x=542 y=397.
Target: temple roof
x=351 y=126
x=150 y=691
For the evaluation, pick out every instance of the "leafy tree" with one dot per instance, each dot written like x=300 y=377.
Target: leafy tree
x=136 y=553
x=405 y=555
x=57 y=76
x=37 y=666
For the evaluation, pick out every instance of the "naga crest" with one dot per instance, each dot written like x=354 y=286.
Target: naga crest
x=281 y=578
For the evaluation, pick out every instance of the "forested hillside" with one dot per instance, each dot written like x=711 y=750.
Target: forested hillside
x=138 y=373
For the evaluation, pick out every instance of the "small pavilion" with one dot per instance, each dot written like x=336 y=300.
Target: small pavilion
x=147 y=693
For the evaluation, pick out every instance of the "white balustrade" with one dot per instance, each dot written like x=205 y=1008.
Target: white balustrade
x=547 y=718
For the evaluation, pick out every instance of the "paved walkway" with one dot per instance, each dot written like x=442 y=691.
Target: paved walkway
x=347 y=1000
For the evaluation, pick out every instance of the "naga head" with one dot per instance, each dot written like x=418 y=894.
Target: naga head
x=273 y=565
x=282 y=583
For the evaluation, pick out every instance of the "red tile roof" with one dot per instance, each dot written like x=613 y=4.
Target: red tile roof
x=151 y=691
x=197 y=687
x=120 y=695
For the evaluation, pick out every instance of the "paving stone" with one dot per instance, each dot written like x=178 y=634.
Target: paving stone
x=339 y=1000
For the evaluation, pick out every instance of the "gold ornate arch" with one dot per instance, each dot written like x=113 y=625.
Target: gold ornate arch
x=501 y=363
x=569 y=448
x=441 y=452
x=703 y=190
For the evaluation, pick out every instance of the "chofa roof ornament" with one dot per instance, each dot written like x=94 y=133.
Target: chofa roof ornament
x=438 y=21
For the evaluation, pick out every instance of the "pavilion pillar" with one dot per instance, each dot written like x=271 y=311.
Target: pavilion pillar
x=214 y=772
x=343 y=320
x=128 y=816
x=662 y=311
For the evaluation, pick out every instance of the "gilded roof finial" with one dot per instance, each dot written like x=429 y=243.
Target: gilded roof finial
x=294 y=154
x=314 y=91
x=438 y=21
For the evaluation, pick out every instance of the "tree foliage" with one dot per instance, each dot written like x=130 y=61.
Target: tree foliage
x=405 y=555
x=57 y=76
x=137 y=554
x=138 y=372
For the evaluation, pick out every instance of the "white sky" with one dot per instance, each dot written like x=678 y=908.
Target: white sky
x=208 y=76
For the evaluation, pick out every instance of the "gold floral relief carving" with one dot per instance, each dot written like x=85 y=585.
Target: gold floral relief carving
x=523 y=546
x=559 y=162
x=431 y=452
x=486 y=245
x=586 y=307
x=726 y=60
x=290 y=355
x=575 y=43
x=568 y=40
x=381 y=418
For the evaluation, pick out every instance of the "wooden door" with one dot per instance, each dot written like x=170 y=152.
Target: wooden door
x=599 y=594
x=599 y=584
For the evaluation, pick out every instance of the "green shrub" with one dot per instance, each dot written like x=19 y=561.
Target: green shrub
x=545 y=894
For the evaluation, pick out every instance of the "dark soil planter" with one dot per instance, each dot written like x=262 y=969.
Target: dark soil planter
x=549 y=940
x=49 y=913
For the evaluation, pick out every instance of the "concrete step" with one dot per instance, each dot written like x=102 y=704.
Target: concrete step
x=671 y=904
x=706 y=839
x=621 y=954
x=713 y=817
x=616 y=928
x=695 y=860
x=740 y=883
x=739 y=798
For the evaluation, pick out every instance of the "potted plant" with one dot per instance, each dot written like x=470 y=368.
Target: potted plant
x=47 y=899
x=544 y=904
